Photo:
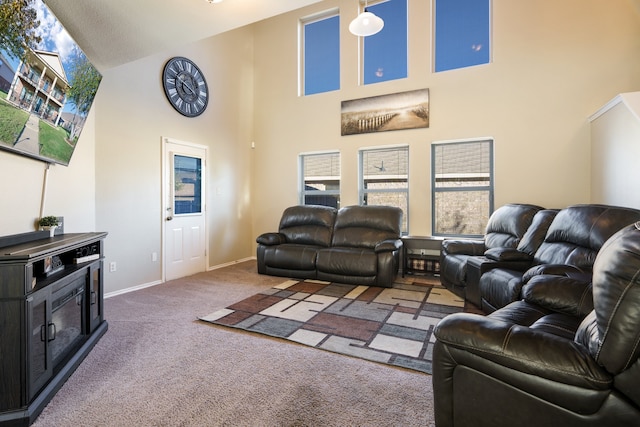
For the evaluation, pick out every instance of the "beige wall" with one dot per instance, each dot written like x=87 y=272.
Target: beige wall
x=70 y=190
x=134 y=116
x=554 y=64
x=615 y=136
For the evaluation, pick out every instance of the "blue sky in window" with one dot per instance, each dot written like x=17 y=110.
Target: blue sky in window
x=385 y=53
x=462 y=33
x=322 y=55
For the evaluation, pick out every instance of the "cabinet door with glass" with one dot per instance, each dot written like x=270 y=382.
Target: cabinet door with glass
x=95 y=295
x=40 y=366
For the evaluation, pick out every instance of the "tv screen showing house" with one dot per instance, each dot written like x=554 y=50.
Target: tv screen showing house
x=46 y=89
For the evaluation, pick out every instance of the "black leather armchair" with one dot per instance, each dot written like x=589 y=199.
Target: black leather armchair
x=505 y=229
x=565 y=355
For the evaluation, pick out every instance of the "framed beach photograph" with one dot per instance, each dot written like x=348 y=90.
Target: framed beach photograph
x=46 y=89
x=398 y=111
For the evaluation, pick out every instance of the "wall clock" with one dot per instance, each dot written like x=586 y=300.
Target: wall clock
x=185 y=86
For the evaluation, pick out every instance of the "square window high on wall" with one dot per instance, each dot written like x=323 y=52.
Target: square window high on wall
x=462 y=187
x=462 y=33
x=320 y=53
x=319 y=181
x=385 y=53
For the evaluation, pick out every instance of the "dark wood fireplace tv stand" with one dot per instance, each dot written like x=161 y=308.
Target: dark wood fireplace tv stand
x=51 y=316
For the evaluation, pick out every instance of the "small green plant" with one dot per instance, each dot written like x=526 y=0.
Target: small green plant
x=48 y=221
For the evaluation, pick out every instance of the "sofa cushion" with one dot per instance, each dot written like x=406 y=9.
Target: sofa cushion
x=366 y=226
x=308 y=225
x=499 y=287
x=291 y=256
x=615 y=338
x=347 y=261
x=507 y=254
x=578 y=232
x=508 y=224
x=561 y=294
x=537 y=231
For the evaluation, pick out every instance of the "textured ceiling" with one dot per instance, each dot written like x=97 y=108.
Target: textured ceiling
x=114 y=32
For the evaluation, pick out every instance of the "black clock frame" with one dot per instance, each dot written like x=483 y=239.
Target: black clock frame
x=185 y=86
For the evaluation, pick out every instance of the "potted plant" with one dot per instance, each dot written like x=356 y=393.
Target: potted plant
x=48 y=223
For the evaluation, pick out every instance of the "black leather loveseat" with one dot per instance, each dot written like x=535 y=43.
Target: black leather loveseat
x=564 y=355
x=355 y=244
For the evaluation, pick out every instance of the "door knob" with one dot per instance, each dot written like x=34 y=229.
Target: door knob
x=169 y=218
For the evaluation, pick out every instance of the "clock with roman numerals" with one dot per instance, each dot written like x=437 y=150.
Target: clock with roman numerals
x=185 y=86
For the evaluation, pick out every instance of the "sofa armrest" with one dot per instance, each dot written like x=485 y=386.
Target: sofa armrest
x=521 y=349
x=388 y=245
x=507 y=254
x=559 y=293
x=465 y=247
x=557 y=270
x=271 y=239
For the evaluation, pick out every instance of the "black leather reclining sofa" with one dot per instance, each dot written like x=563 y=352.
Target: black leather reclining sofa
x=565 y=354
x=354 y=245
x=544 y=241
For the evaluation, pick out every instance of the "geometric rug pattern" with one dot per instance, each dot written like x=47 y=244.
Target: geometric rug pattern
x=387 y=325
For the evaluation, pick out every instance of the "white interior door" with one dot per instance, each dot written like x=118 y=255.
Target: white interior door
x=184 y=209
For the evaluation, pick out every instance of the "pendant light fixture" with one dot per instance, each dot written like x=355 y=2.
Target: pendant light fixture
x=366 y=24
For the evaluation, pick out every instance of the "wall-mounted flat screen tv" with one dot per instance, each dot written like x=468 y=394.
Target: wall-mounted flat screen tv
x=47 y=85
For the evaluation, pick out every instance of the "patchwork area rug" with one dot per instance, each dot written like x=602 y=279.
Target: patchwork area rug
x=387 y=325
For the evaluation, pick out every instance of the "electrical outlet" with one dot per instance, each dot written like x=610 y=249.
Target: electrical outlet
x=154 y=256
x=112 y=266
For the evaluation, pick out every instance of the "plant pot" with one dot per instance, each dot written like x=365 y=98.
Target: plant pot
x=50 y=228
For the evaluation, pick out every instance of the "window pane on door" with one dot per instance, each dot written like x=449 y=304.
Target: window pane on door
x=187 y=196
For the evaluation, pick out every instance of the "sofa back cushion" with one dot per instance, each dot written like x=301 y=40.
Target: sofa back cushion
x=508 y=224
x=308 y=224
x=612 y=331
x=366 y=226
x=578 y=232
x=537 y=231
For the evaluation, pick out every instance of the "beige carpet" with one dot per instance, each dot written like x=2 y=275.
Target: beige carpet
x=157 y=365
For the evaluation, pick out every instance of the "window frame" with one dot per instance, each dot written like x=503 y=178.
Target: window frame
x=302 y=23
x=435 y=189
x=362 y=6
x=362 y=191
x=303 y=192
x=435 y=41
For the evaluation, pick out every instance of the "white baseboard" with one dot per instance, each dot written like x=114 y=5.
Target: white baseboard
x=158 y=282
x=215 y=267
x=133 y=288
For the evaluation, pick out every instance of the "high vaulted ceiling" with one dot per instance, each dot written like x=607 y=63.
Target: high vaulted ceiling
x=114 y=32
